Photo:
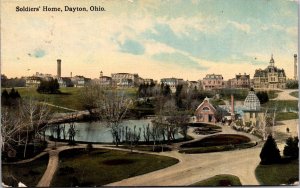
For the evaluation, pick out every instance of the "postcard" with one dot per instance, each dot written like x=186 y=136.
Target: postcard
x=149 y=93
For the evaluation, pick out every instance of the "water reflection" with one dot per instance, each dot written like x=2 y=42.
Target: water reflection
x=99 y=132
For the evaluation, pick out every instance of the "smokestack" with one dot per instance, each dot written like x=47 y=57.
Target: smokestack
x=58 y=68
x=232 y=107
x=71 y=74
x=101 y=74
x=295 y=67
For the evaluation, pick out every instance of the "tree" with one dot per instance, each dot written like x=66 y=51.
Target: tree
x=35 y=115
x=166 y=91
x=262 y=96
x=292 y=84
x=51 y=86
x=92 y=94
x=113 y=108
x=23 y=124
x=11 y=126
x=270 y=153
x=291 y=148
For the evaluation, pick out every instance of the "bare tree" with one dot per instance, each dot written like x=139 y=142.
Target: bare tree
x=91 y=95
x=11 y=126
x=265 y=124
x=34 y=115
x=29 y=117
x=113 y=108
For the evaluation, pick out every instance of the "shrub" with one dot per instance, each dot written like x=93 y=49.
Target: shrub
x=270 y=153
x=262 y=96
x=89 y=147
x=291 y=148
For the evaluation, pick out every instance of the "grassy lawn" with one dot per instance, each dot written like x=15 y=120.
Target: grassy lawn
x=204 y=125
x=277 y=174
x=209 y=149
x=273 y=93
x=28 y=173
x=219 y=180
x=70 y=97
x=147 y=148
x=217 y=143
x=218 y=140
x=102 y=166
x=295 y=94
x=281 y=116
x=282 y=105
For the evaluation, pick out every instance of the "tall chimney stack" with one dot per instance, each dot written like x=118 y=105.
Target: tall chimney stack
x=71 y=74
x=295 y=67
x=59 y=68
x=232 y=108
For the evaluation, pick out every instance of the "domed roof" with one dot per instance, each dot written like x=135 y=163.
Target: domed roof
x=252 y=102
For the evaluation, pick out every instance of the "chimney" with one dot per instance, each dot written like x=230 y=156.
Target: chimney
x=58 y=68
x=71 y=74
x=295 y=67
x=101 y=74
x=232 y=107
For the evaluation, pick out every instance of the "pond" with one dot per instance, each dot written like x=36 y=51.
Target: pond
x=99 y=132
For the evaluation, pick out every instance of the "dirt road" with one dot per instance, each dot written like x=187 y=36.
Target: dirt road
x=285 y=95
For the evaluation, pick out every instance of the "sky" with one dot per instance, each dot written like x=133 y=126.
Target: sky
x=154 y=38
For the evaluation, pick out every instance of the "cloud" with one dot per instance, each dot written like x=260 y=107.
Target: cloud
x=132 y=47
x=178 y=59
x=240 y=26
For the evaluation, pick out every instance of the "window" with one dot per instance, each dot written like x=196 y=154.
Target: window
x=205 y=109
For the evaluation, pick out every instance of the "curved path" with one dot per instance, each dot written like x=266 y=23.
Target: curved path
x=191 y=168
x=285 y=95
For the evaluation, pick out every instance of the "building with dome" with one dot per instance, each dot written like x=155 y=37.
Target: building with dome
x=271 y=77
x=252 y=113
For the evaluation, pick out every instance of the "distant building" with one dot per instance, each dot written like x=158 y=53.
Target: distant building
x=172 y=82
x=193 y=85
x=126 y=79
x=240 y=81
x=33 y=81
x=213 y=81
x=65 y=82
x=46 y=77
x=271 y=77
x=206 y=112
x=105 y=81
x=80 y=81
x=148 y=81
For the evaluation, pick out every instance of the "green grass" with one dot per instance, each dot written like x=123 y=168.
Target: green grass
x=281 y=116
x=277 y=174
x=70 y=97
x=103 y=166
x=282 y=105
x=218 y=140
x=295 y=94
x=27 y=173
x=209 y=149
x=220 y=180
x=272 y=94
x=157 y=148
x=205 y=125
